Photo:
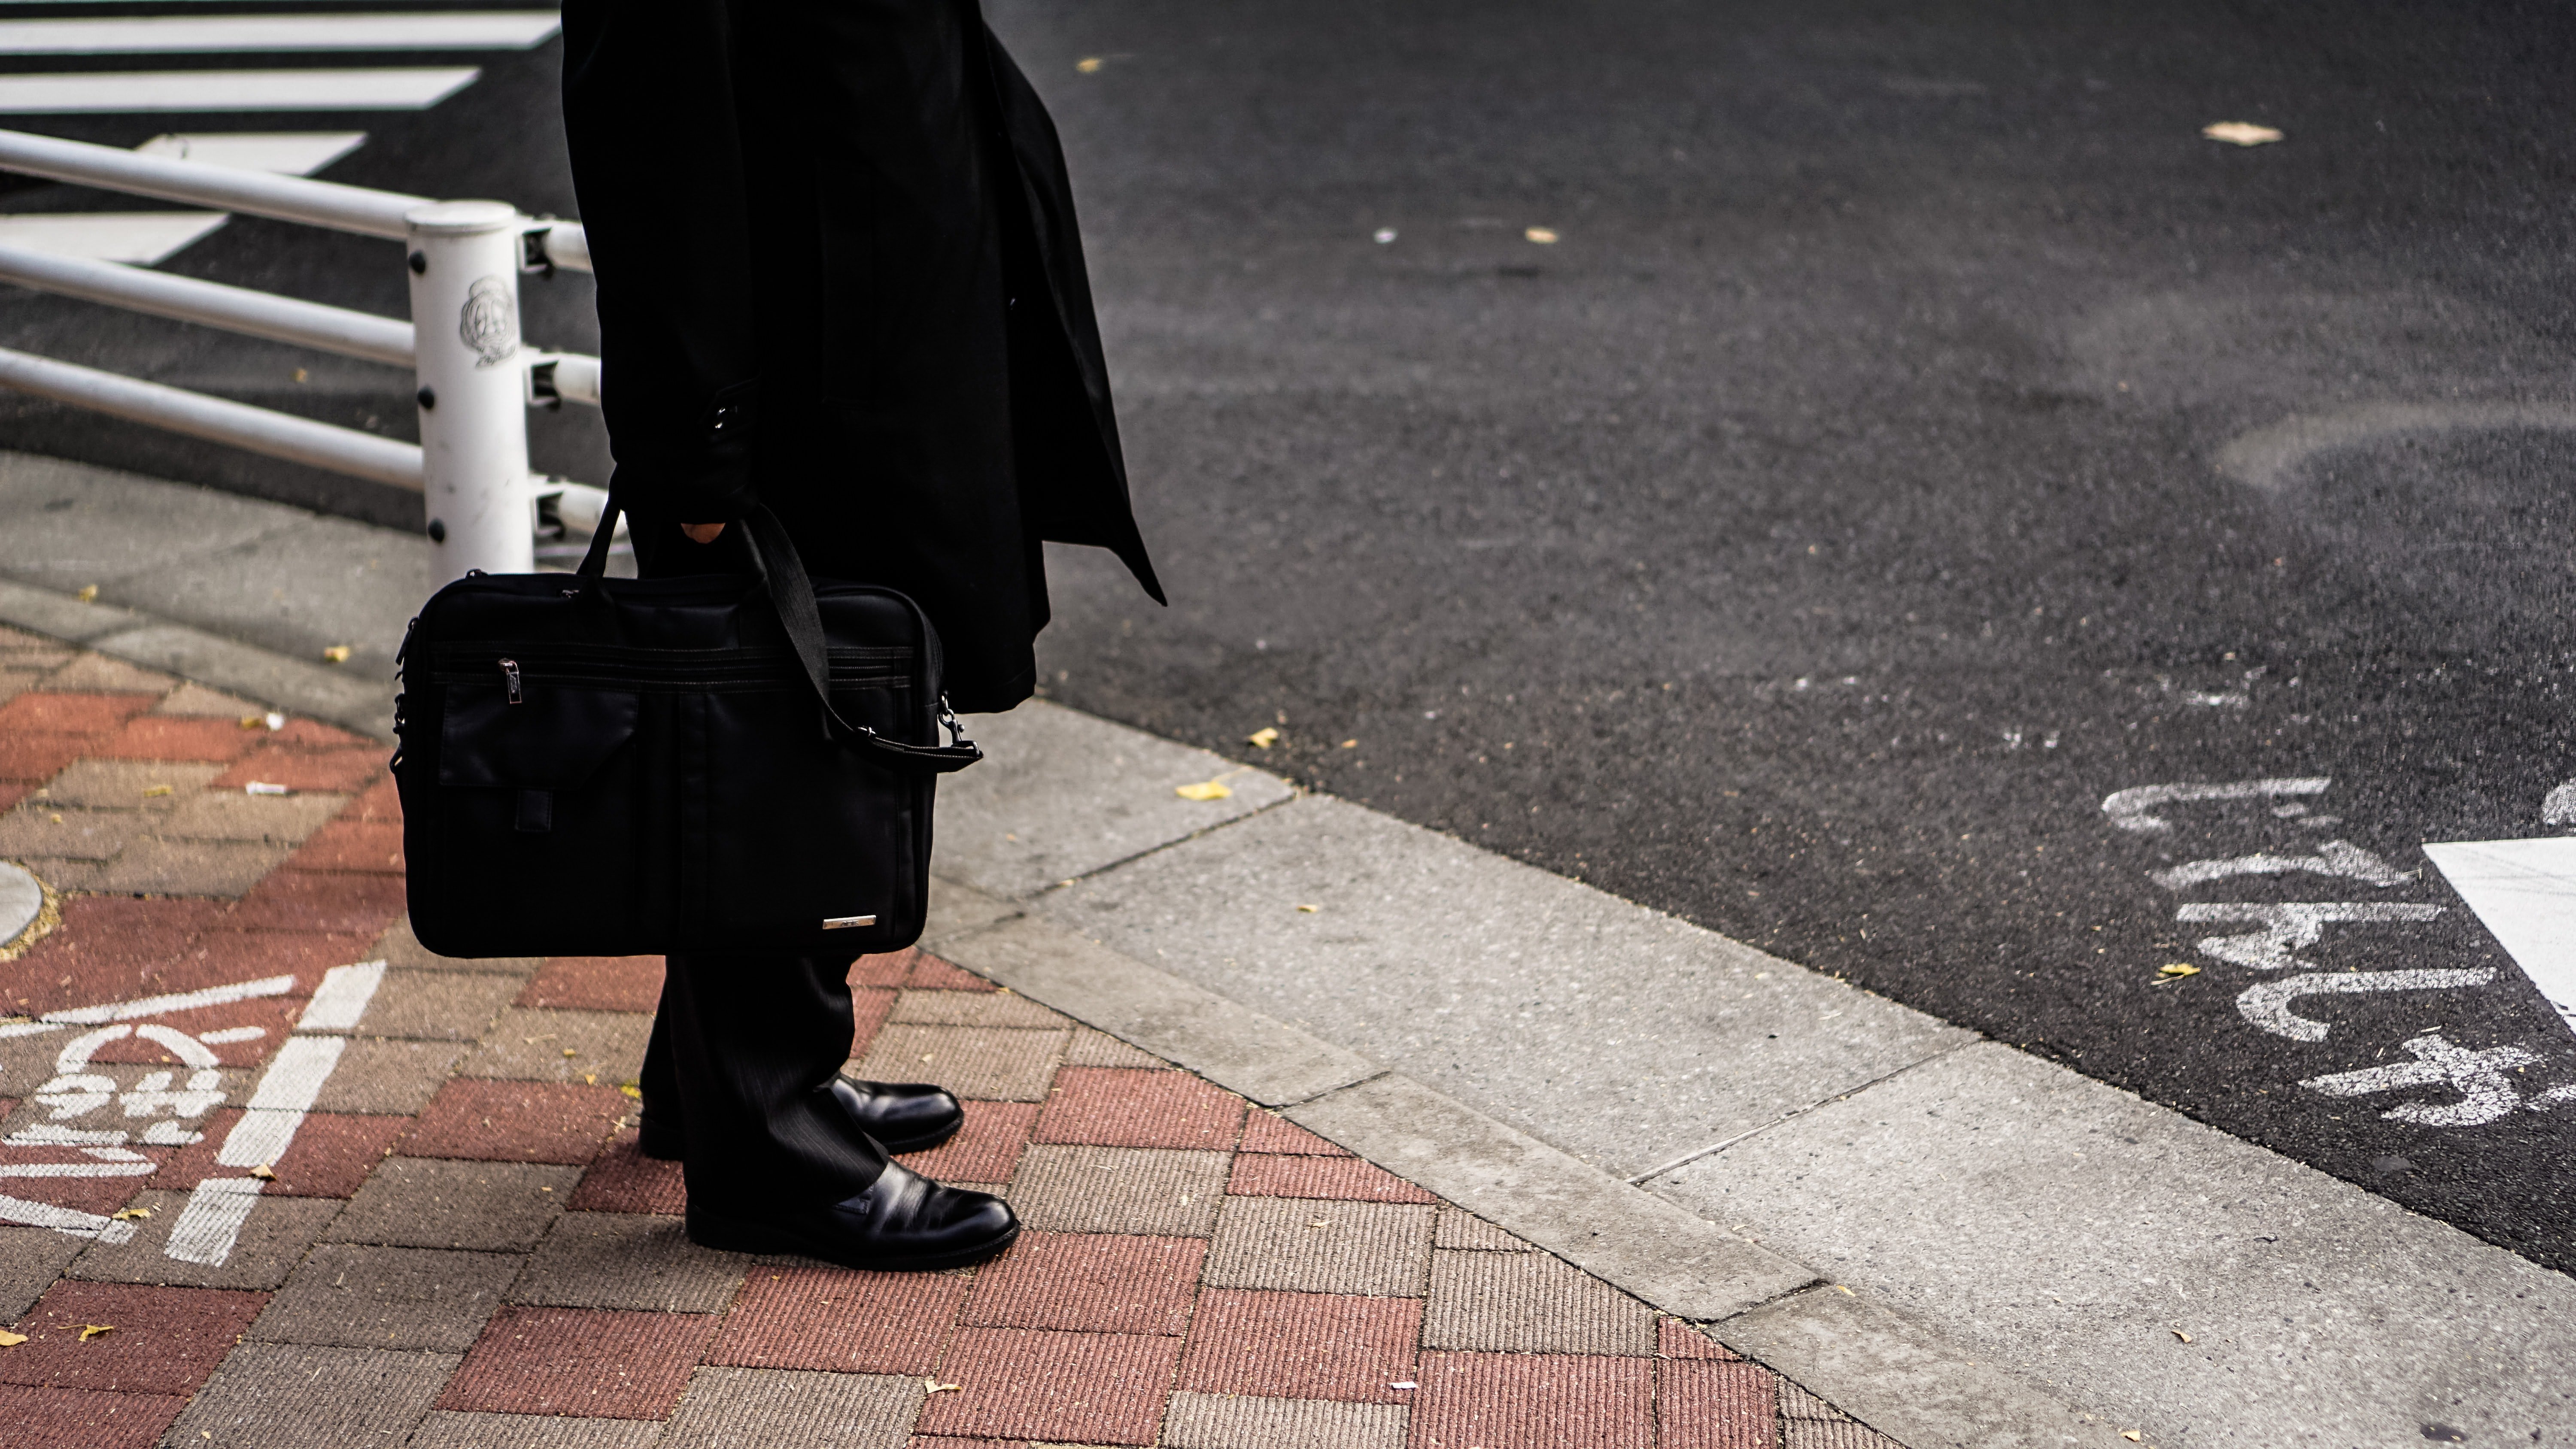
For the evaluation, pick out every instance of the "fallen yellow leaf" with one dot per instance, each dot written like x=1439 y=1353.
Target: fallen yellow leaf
x=264 y=1173
x=2177 y=969
x=2185 y=1337
x=1262 y=738
x=1088 y=65
x=590 y=1079
x=151 y=791
x=2239 y=133
x=127 y=1215
x=337 y=654
x=88 y=594
x=248 y=721
x=568 y=1051
x=1310 y=910
x=1203 y=790
x=1544 y=236
x=632 y=1089
x=93 y=1330
x=11 y=1340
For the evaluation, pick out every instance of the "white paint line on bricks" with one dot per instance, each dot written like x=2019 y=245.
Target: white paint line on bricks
x=2525 y=892
x=215 y=34
x=153 y=1005
x=87 y=92
x=65 y=1220
x=213 y=1219
x=342 y=997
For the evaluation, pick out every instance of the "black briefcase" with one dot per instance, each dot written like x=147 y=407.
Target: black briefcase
x=616 y=767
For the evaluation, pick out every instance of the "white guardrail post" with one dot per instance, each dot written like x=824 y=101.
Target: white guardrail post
x=465 y=258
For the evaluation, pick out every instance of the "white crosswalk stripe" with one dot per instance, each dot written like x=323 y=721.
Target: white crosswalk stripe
x=147 y=238
x=217 y=34
x=388 y=88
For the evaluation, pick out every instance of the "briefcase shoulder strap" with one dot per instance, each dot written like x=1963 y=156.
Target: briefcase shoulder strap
x=791 y=592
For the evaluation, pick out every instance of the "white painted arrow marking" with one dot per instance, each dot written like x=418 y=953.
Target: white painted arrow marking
x=2525 y=892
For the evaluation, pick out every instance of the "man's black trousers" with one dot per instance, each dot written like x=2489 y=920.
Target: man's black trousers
x=744 y=1047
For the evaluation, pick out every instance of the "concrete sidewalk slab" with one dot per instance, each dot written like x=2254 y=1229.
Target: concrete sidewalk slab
x=2067 y=1227
x=1617 y=1034
x=1061 y=795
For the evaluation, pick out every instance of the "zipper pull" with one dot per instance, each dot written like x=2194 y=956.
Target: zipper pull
x=510 y=677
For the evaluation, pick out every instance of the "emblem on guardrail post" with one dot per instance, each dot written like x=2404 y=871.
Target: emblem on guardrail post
x=473 y=400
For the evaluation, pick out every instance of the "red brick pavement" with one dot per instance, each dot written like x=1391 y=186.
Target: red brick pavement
x=1076 y=1337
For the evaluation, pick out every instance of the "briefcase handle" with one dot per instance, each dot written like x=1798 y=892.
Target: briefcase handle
x=791 y=593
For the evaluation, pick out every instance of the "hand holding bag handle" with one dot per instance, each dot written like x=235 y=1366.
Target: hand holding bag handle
x=782 y=573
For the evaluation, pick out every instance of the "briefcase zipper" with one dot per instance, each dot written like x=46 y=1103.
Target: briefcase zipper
x=510 y=677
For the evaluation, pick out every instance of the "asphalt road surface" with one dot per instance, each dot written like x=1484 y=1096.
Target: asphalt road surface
x=1916 y=444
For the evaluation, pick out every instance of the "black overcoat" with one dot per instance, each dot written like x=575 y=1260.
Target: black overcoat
x=839 y=274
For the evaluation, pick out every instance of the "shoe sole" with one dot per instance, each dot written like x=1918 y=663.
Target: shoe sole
x=730 y=1236
x=662 y=1150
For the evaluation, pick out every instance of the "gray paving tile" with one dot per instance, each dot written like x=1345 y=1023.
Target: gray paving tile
x=30 y=1260
x=358 y=1295
x=1464 y=1231
x=1797 y=1403
x=972 y=1008
x=747 y=1408
x=120 y=784
x=446 y=1429
x=294 y=1395
x=233 y=815
x=192 y=698
x=1374 y=1249
x=424 y=1202
x=1241 y=1421
x=1145 y=1191
x=401 y=950
x=221 y=868
x=1832 y=1434
x=390 y=1078
x=65 y=875
x=272 y=1241
x=52 y=831
x=627 y=1260
x=985 y=1063
x=529 y=1046
x=437 y=1005
x=1089 y=1048
x=98 y=674
x=1529 y=1303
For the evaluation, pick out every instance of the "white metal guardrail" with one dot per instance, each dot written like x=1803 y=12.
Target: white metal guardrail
x=476 y=379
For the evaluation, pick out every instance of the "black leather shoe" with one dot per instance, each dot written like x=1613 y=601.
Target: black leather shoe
x=901 y=1116
x=903 y=1223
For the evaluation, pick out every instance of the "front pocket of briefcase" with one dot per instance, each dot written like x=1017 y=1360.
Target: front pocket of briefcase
x=804 y=843
x=549 y=819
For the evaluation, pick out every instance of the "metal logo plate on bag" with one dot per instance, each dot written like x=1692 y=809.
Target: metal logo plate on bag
x=843 y=923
